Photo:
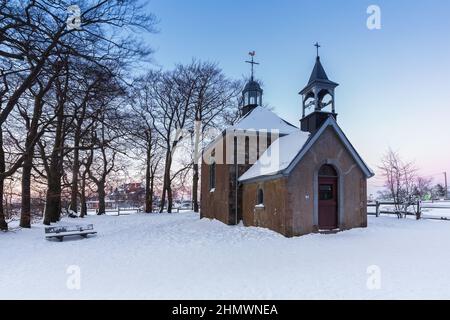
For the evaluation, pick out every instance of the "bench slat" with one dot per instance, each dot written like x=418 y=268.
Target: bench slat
x=62 y=229
x=64 y=234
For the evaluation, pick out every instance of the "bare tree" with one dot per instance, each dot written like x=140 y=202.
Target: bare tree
x=86 y=163
x=34 y=34
x=93 y=87
x=35 y=129
x=184 y=103
x=401 y=180
x=108 y=145
x=171 y=95
x=53 y=163
x=215 y=98
x=144 y=138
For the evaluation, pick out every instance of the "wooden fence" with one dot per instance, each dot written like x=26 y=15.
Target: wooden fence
x=417 y=207
x=120 y=211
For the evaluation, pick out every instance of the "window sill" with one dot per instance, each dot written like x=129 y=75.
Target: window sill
x=259 y=206
x=212 y=190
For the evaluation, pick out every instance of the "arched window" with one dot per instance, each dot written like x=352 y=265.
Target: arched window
x=260 y=196
x=327 y=171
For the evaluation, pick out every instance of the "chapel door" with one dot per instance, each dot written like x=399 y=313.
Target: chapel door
x=328 y=203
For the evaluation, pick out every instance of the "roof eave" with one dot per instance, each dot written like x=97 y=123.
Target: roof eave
x=274 y=176
x=327 y=83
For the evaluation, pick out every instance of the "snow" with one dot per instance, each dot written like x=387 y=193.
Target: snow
x=262 y=118
x=437 y=209
x=179 y=256
x=278 y=156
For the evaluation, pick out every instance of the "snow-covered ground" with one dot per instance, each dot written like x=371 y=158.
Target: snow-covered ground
x=179 y=256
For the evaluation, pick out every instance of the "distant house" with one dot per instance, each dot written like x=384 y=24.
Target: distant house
x=129 y=194
x=268 y=173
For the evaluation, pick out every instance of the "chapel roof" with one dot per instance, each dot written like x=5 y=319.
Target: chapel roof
x=261 y=118
x=318 y=76
x=284 y=154
x=252 y=85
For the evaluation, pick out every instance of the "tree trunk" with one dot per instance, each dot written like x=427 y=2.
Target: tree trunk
x=169 y=199
x=25 y=215
x=101 y=198
x=53 y=199
x=167 y=189
x=195 y=187
x=3 y=224
x=55 y=168
x=195 y=167
x=148 y=187
x=152 y=186
x=83 y=206
x=76 y=159
x=163 y=199
x=75 y=171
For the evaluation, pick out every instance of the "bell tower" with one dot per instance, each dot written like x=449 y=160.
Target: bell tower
x=318 y=94
x=252 y=93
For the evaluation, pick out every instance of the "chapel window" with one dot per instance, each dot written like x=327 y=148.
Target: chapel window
x=260 y=196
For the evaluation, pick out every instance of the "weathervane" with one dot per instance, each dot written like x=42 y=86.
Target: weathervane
x=252 y=54
x=317 y=45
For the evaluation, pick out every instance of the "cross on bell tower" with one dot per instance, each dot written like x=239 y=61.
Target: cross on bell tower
x=318 y=93
x=252 y=62
x=252 y=93
x=317 y=45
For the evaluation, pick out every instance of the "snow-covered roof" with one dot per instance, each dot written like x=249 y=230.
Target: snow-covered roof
x=262 y=118
x=278 y=156
x=286 y=152
x=258 y=119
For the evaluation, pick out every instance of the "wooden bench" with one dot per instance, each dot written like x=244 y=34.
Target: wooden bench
x=63 y=231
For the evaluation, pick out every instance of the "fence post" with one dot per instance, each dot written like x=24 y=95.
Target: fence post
x=377 y=208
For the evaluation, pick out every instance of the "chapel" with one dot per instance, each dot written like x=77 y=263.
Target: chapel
x=264 y=171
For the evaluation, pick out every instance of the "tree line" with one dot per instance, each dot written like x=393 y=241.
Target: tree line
x=75 y=112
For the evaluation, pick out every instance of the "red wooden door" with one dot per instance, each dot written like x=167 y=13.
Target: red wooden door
x=328 y=204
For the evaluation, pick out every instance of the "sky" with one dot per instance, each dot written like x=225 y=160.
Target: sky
x=394 y=87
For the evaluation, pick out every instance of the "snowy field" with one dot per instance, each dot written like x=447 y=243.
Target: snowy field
x=179 y=256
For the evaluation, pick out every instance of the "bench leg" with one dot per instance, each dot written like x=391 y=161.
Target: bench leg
x=60 y=238
x=84 y=235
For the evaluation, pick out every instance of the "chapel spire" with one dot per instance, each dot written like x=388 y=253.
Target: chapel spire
x=318 y=93
x=252 y=93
